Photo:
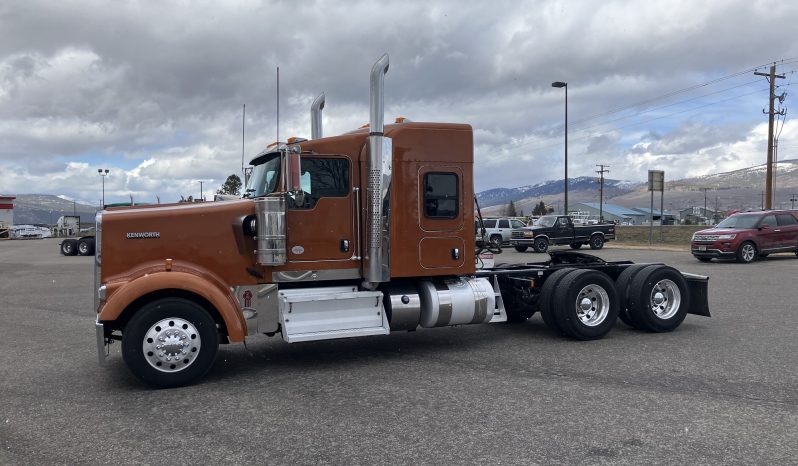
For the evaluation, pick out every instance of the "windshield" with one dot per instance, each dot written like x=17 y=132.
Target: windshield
x=739 y=222
x=263 y=180
x=547 y=221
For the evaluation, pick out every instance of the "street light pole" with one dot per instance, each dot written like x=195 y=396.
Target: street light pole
x=565 y=85
x=103 y=172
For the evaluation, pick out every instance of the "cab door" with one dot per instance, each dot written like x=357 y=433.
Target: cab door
x=320 y=219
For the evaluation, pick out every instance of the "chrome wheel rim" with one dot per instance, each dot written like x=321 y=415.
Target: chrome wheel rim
x=665 y=299
x=83 y=248
x=748 y=252
x=171 y=345
x=592 y=305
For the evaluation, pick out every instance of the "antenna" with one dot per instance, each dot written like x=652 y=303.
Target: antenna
x=243 y=119
x=278 y=106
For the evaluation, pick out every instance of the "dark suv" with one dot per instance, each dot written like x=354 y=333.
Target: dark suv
x=748 y=235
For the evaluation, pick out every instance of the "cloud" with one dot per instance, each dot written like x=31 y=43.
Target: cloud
x=154 y=90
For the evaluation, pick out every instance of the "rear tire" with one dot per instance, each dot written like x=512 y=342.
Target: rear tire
x=188 y=344
x=622 y=285
x=524 y=248
x=746 y=253
x=69 y=247
x=547 y=295
x=496 y=241
x=658 y=298
x=86 y=247
x=586 y=304
x=541 y=245
x=596 y=242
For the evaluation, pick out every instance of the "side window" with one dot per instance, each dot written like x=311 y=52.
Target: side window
x=769 y=220
x=504 y=224
x=786 y=219
x=489 y=223
x=321 y=178
x=441 y=197
x=517 y=224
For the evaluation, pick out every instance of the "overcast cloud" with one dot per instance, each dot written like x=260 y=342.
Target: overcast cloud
x=153 y=91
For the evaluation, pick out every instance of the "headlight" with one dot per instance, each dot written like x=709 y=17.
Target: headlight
x=730 y=236
x=693 y=239
x=529 y=234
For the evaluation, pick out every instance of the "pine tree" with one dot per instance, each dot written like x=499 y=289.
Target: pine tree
x=231 y=186
x=510 y=210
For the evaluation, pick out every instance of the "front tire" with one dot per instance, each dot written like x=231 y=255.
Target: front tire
x=658 y=298
x=170 y=342
x=596 y=242
x=746 y=253
x=541 y=245
x=586 y=304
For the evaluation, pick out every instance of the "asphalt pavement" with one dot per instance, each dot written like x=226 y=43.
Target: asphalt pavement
x=720 y=390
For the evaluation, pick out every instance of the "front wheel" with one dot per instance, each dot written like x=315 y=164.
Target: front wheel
x=596 y=242
x=746 y=253
x=541 y=245
x=170 y=342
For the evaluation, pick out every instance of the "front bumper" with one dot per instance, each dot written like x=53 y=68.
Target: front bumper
x=522 y=242
x=715 y=250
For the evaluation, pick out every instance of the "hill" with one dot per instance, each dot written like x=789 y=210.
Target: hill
x=44 y=209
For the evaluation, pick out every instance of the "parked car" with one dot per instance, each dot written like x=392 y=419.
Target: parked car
x=747 y=235
x=498 y=230
x=560 y=229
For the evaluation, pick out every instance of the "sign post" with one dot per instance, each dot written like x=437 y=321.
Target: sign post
x=656 y=182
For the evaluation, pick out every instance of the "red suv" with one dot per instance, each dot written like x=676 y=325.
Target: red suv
x=748 y=235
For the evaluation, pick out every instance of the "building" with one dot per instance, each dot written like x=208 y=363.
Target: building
x=699 y=216
x=611 y=213
x=6 y=211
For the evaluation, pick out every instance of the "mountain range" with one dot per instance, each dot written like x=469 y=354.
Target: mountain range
x=735 y=190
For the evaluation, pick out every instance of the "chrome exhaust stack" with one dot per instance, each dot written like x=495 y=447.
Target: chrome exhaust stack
x=315 y=117
x=377 y=258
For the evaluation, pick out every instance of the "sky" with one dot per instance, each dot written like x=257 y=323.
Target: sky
x=153 y=91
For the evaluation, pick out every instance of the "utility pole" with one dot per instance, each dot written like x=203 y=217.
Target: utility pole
x=771 y=115
x=201 y=199
x=792 y=201
x=601 y=171
x=705 y=201
x=763 y=200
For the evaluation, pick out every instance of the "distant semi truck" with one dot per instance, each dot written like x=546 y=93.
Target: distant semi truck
x=76 y=242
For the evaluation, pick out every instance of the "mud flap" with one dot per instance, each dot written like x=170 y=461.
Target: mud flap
x=699 y=294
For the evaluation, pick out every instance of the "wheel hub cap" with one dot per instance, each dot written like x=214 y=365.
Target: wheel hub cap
x=665 y=299
x=592 y=305
x=171 y=345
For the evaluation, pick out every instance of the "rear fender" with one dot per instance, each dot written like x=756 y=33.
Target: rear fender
x=220 y=298
x=699 y=291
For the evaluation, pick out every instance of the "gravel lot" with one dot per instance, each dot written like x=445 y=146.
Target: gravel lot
x=716 y=391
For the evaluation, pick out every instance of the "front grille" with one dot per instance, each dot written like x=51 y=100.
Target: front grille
x=707 y=238
x=517 y=235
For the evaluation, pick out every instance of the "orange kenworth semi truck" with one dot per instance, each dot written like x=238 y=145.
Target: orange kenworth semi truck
x=366 y=233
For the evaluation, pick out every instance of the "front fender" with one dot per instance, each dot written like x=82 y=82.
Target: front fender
x=126 y=293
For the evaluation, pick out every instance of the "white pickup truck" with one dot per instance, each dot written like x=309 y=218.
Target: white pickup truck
x=497 y=230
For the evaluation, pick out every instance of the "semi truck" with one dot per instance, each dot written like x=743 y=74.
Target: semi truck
x=361 y=234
